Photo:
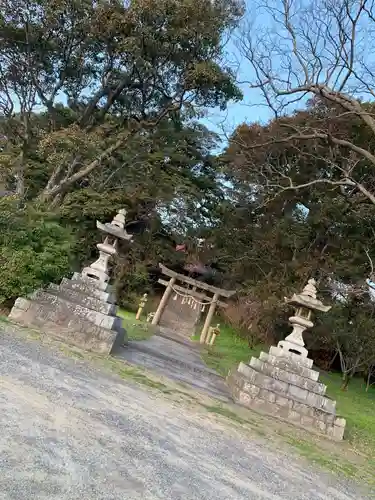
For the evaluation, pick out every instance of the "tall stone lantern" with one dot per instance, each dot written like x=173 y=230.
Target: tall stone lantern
x=81 y=310
x=114 y=231
x=305 y=303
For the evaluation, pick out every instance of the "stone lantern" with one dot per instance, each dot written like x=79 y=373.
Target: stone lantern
x=113 y=231
x=282 y=383
x=305 y=303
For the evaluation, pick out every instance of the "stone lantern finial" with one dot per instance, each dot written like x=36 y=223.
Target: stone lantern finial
x=310 y=289
x=119 y=219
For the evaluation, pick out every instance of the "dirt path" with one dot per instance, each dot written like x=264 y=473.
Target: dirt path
x=69 y=431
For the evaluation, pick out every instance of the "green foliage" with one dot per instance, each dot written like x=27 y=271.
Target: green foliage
x=228 y=351
x=350 y=328
x=132 y=280
x=133 y=78
x=34 y=249
x=136 y=329
x=122 y=68
x=358 y=408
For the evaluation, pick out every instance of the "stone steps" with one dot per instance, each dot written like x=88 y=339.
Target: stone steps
x=285 y=389
x=75 y=312
x=83 y=286
x=77 y=297
x=59 y=322
x=51 y=298
x=284 y=363
x=184 y=328
x=176 y=336
x=179 y=317
x=297 y=361
x=285 y=374
x=284 y=407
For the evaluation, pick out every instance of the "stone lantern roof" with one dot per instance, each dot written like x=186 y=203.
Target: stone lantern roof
x=116 y=227
x=308 y=298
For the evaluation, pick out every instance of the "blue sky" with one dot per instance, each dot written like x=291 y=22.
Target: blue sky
x=251 y=109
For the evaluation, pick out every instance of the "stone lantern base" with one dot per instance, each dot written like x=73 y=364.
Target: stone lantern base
x=284 y=385
x=80 y=311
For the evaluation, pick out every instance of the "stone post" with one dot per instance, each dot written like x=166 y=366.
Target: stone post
x=142 y=304
x=214 y=332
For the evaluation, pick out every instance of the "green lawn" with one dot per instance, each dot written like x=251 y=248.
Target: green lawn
x=228 y=351
x=136 y=329
x=358 y=408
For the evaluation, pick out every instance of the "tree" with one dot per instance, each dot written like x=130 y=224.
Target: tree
x=338 y=226
x=98 y=110
x=34 y=249
x=320 y=51
x=351 y=327
x=271 y=239
x=120 y=67
x=147 y=178
x=370 y=375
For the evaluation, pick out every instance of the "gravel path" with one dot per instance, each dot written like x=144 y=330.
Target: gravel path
x=71 y=432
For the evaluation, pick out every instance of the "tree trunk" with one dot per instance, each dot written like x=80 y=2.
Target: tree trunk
x=345 y=381
x=55 y=188
x=370 y=374
x=332 y=360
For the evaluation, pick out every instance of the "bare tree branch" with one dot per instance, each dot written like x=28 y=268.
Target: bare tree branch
x=319 y=50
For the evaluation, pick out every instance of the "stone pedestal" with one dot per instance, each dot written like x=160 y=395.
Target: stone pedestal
x=80 y=311
x=284 y=385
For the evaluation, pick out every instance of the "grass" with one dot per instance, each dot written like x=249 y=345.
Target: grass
x=136 y=329
x=225 y=412
x=228 y=351
x=331 y=461
x=358 y=408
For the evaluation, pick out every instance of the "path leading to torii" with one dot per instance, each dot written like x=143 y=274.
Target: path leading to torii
x=72 y=432
x=176 y=358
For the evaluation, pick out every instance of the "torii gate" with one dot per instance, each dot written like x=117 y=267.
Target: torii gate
x=199 y=294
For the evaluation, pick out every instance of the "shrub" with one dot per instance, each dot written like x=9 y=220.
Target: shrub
x=253 y=319
x=34 y=249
